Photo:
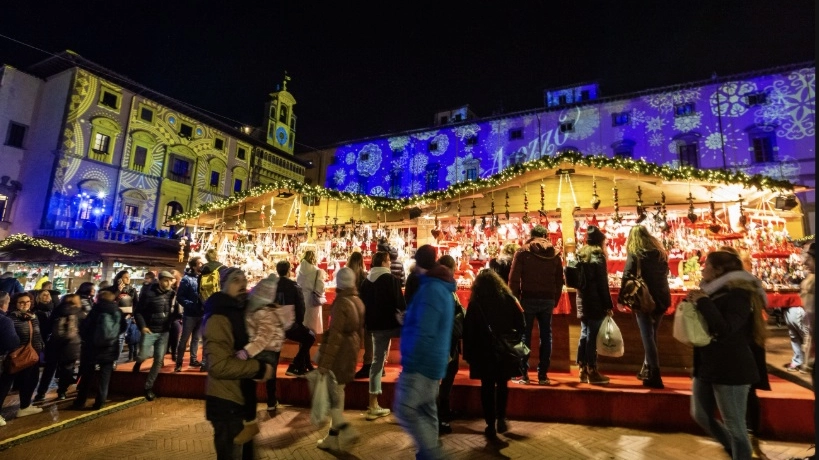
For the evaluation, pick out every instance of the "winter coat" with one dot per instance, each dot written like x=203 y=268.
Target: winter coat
x=311 y=279
x=503 y=267
x=413 y=281
x=457 y=327
x=340 y=344
x=537 y=271
x=807 y=292
x=505 y=316
x=266 y=327
x=43 y=312
x=11 y=285
x=427 y=330
x=66 y=349
x=21 y=327
x=728 y=359
x=224 y=335
x=188 y=296
x=9 y=340
x=593 y=296
x=289 y=293
x=382 y=297
x=154 y=309
x=654 y=271
x=104 y=354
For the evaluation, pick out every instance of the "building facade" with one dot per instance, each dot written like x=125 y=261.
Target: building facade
x=100 y=151
x=761 y=122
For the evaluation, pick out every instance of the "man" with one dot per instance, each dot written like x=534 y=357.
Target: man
x=289 y=293
x=150 y=278
x=9 y=284
x=153 y=315
x=188 y=297
x=225 y=334
x=5 y=299
x=536 y=279
x=425 y=346
x=396 y=267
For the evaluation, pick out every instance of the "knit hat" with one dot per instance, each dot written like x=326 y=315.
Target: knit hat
x=345 y=278
x=539 y=231
x=425 y=257
x=263 y=293
x=226 y=275
x=594 y=236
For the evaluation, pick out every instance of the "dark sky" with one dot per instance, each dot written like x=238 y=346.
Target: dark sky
x=369 y=68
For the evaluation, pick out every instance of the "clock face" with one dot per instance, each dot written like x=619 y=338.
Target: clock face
x=281 y=135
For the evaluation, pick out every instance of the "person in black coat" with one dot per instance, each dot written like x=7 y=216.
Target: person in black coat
x=27 y=328
x=444 y=411
x=593 y=303
x=491 y=305
x=289 y=293
x=154 y=314
x=62 y=347
x=645 y=250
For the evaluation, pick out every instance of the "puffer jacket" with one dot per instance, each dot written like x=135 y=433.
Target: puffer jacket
x=654 y=271
x=21 y=326
x=87 y=329
x=537 y=271
x=505 y=317
x=154 y=309
x=382 y=297
x=593 y=296
x=341 y=341
x=9 y=340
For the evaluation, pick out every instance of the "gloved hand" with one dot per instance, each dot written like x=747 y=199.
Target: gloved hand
x=242 y=354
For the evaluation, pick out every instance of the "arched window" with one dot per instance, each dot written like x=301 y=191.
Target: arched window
x=171 y=209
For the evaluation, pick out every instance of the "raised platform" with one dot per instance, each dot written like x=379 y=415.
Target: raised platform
x=787 y=411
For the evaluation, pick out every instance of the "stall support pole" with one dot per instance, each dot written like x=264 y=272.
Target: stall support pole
x=107 y=269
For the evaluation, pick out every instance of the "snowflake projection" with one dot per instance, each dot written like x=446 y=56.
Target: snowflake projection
x=400 y=162
x=415 y=187
x=654 y=124
x=398 y=143
x=369 y=160
x=378 y=191
x=637 y=117
x=792 y=107
x=500 y=126
x=418 y=163
x=715 y=141
x=339 y=176
x=441 y=143
x=456 y=172
x=616 y=106
x=586 y=123
x=593 y=148
x=674 y=146
x=688 y=123
x=729 y=99
x=665 y=102
x=728 y=139
x=656 y=139
x=466 y=131
x=353 y=187
x=350 y=159
x=786 y=168
x=425 y=135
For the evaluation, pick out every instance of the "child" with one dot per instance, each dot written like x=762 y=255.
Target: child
x=266 y=324
x=132 y=337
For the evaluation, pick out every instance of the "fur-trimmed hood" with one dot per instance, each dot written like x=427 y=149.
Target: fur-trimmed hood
x=739 y=279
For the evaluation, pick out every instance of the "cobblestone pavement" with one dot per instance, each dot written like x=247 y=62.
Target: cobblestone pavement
x=171 y=428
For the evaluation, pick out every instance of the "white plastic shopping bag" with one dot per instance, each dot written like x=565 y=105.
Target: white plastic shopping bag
x=323 y=391
x=690 y=327
x=609 y=339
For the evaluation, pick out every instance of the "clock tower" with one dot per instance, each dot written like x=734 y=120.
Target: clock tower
x=281 y=122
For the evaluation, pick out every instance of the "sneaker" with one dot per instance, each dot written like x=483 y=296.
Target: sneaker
x=149 y=394
x=791 y=367
x=2 y=421
x=376 y=412
x=273 y=407
x=644 y=373
x=177 y=368
x=330 y=442
x=584 y=375
x=523 y=381
x=347 y=436
x=490 y=433
x=294 y=372
x=60 y=396
x=543 y=381
x=30 y=410
x=195 y=363
x=38 y=399
x=444 y=428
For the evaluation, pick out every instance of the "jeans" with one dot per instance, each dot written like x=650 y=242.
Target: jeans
x=494 y=395
x=587 y=346
x=649 y=324
x=191 y=329
x=65 y=376
x=226 y=418
x=540 y=309
x=158 y=343
x=444 y=411
x=799 y=331
x=417 y=413
x=731 y=400
x=26 y=382
x=381 y=347
x=87 y=376
x=306 y=338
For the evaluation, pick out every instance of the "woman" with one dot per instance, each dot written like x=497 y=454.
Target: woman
x=311 y=280
x=87 y=292
x=491 y=305
x=725 y=369
x=123 y=286
x=645 y=251
x=62 y=347
x=356 y=263
x=593 y=303
x=338 y=353
x=28 y=330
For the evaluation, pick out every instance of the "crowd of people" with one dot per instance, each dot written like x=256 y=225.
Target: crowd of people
x=243 y=333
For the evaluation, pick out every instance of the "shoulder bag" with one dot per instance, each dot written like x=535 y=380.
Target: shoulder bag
x=690 y=327
x=318 y=298
x=23 y=357
x=509 y=349
x=634 y=292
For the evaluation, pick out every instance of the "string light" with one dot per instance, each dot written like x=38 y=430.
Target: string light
x=41 y=243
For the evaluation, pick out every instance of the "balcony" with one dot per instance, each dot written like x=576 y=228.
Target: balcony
x=182 y=179
x=83 y=234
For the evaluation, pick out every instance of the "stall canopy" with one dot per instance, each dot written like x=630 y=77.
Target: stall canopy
x=148 y=251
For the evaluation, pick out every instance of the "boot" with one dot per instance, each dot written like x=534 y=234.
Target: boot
x=653 y=379
x=364 y=372
x=644 y=372
x=756 y=452
x=584 y=374
x=596 y=378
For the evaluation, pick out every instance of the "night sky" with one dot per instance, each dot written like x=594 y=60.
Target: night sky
x=369 y=68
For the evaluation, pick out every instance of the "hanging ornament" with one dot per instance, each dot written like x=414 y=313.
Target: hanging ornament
x=692 y=216
x=743 y=219
x=542 y=200
x=663 y=214
x=459 y=228
x=506 y=213
x=715 y=226
x=492 y=211
x=641 y=212
x=617 y=218
x=525 y=217
x=595 y=200
x=474 y=221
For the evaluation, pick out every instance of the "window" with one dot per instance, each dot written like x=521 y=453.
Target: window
x=180 y=170
x=140 y=156
x=567 y=127
x=214 y=179
x=471 y=174
x=473 y=140
x=584 y=95
x=364 y=157
x=219 y=144
x=763 y=147
x=101 y=143
x=444 y=119
x=109 y=99
x=15 y=135
x=237 y=185
x=431 y=177
x=689 y=154
x=240 y=153
x=395 y=184
x=130 y=216
x=433 y=147
x=684 y=110
x=186 y=130
x=561 y=99
x=146 y=114
x=171 y=209
x=516 y=133
x=759 y=98
x=620 y=119
x=458 y=117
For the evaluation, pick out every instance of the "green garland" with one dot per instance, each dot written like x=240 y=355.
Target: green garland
x=25 y=239
x=668 y=173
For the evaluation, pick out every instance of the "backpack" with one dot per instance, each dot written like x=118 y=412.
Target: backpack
x=106 y=332
x=66 y=328
x=209 y=285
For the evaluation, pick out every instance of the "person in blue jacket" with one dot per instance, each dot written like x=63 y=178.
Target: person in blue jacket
x=425 y=347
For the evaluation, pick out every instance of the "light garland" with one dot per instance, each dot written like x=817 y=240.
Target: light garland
x=641 y=167
x=40 y=243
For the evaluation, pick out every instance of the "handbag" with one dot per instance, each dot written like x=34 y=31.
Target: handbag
x=690 y=327
x=23 y=357
x=634 y=292
x=610 y=339
x=573 y=274
x=509 y=349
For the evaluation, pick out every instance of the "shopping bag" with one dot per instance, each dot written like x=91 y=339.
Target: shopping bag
x=609 y=339
x=320 y=405
x=690 y=327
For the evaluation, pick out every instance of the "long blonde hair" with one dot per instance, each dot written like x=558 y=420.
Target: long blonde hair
x=640 y=242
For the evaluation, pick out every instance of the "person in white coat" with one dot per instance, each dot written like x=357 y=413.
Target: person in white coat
x=311 y=280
